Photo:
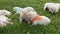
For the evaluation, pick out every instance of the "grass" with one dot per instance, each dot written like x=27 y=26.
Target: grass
x=23 y=28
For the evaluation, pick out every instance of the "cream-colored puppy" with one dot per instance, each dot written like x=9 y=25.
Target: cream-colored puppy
x=46 y=5
x=22 y=12
x=52 y=7
x=5 y=12
x=4 y=20
x=26 y=10
x=36 y=19
x=23 y=16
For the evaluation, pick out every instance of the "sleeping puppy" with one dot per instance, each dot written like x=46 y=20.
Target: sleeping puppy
x=5 y=12
x=36 y=19
x=4 y=20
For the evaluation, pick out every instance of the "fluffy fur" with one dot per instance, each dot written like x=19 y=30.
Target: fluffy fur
x=20 y=11
x=28 y=9
x=23 y=12
x=23 y=16
x=43 y=20
x=53 y=7
x=4 y=20
x=5 y=12
x=17 y=10
x=47 y=5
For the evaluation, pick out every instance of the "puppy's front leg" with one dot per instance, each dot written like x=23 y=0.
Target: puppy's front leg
x=44 y=8
x=20 y=18
x=9 y=19
x=28 y=22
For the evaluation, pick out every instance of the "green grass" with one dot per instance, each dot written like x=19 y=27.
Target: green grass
x=23 y=28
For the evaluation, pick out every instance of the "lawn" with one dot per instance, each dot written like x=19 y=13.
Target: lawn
x=24 y=28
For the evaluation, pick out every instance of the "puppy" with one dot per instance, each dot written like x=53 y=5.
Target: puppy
x=36 y=19
x=5 y=12
x=22 y=12
x=25 y=11
x=23 y=16
x=53 y=7
x=4 y=20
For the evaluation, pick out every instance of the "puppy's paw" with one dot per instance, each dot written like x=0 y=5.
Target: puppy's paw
x=20 y=20
x=28 y=22
x=9 y=19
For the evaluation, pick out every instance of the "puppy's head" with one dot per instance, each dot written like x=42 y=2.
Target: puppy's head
x=8 y=13
x=5 y=12
x=17 y=10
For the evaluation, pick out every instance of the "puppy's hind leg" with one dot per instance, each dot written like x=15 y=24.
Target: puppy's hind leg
x=44 y=8
x=51 y=10
x=20 y=18
x=56 y=10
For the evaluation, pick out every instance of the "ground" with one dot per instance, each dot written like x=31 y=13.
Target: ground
x=24 y=28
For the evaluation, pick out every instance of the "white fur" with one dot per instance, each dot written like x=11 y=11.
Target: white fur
x=17 y=10
x=47 y=5
x=44 y=21
x=4 y=20
x=20 y=11
x=53 y=7
x=5 y=12
x=22 y=16
x=28 y=9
